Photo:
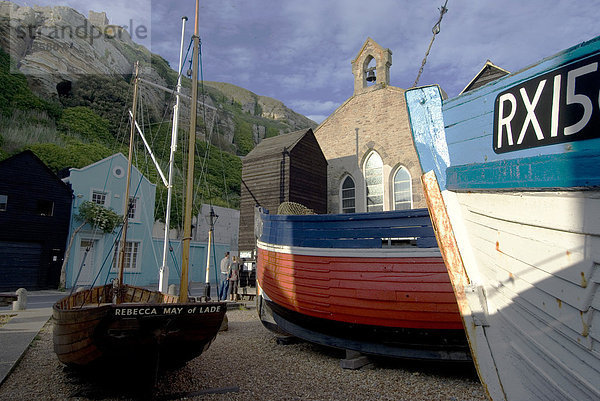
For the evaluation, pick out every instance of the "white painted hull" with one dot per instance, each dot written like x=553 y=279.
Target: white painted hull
x=536 y=324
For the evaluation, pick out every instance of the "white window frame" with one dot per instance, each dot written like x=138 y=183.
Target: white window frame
x=393 y=190
x=3 y=203
x=138 y=257
x=100 y=191
x=382 y=204
x=348 y=176
x=135 y=210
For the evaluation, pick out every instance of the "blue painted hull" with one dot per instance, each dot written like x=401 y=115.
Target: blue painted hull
x=455 y=137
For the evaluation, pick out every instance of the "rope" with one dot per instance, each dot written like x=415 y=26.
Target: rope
x=435 y=30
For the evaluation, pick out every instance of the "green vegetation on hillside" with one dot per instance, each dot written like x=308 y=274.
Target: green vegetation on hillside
x=89 y=121
x=108 y=96
x=15 y=93
x=84 y=122
x=90 y=124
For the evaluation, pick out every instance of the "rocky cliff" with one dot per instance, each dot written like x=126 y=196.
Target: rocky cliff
x=56 y=47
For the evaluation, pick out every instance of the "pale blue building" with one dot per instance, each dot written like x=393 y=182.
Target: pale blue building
x=92 y=259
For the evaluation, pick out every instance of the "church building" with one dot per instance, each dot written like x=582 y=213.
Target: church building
x=367 y=142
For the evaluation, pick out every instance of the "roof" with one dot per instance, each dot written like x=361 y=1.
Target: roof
x=488 y=73
x=277 y=144
x=110 y=159
x=29 y=154
x=89 y=166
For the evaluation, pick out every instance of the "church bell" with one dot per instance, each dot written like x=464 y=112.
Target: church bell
x=371 y=76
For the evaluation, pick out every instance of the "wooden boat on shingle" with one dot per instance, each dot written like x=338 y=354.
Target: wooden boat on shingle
x=369 y=282
x=147 y=325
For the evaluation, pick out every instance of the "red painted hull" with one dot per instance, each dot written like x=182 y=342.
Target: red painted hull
x=394 y=292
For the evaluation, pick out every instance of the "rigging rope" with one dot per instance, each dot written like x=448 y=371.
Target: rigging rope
x=435 y=30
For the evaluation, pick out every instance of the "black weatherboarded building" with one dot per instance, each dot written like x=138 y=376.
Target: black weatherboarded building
x=35 y=208
x=285 y=168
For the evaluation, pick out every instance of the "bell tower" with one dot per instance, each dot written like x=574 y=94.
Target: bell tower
x=371 y=67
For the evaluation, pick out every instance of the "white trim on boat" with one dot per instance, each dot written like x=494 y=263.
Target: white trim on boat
x=353 y=252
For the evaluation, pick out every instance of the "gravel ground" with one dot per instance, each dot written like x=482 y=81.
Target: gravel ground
x=246 y=363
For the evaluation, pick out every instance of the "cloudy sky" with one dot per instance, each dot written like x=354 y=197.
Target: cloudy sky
x=299 y=51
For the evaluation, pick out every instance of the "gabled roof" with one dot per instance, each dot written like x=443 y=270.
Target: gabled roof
x=277 y=144
x=488 y=73
x=368 y=42
x=89 y=166
x=28 y=154
x=134 y=170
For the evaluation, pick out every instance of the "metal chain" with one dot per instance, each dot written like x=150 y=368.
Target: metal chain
x=435 y=30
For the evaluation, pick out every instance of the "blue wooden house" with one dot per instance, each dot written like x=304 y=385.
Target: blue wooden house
x=93 y=254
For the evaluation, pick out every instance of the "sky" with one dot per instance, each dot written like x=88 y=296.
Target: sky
x=299 y=51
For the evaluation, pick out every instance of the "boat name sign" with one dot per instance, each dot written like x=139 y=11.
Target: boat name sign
x=560 y=106
x=166 y=310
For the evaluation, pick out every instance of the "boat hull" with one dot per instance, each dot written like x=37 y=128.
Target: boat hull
x=519 y=226
x=386 y=301
x=148 y=325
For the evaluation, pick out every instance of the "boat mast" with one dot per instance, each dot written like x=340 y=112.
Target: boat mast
x=187 y=223
x=123 y=246
x=163 y=278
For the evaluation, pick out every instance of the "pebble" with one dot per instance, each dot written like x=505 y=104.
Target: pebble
x=246 y=363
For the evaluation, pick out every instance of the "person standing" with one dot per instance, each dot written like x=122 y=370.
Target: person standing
x=225 y=266
x=234 y=277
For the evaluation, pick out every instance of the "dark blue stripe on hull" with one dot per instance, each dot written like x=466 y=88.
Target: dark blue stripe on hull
x=356 y=230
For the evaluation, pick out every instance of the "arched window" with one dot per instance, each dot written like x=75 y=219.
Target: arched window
x=373 y=172
x=402 y=189
x=348 y=196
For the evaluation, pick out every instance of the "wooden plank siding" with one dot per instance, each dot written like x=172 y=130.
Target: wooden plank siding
x=391 y=292
x=308 y=175
x=33 y=242
x=539 y=256
x=301 y=178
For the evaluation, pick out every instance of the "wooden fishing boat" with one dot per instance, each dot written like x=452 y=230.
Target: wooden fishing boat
x=512 y=185
x=146 y=326
x=119 y=322
x=369 y=282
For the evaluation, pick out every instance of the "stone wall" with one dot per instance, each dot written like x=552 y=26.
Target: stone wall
x=379 y=113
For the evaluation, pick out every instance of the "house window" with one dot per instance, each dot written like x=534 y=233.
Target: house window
x=348 y=196
x=3 y=203
x=99 y=197
x=373 y=171
x=130 y=261
x=402 y=189
x=44 y=208
x=132 y=208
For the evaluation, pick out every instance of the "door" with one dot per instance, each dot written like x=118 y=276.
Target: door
x=56 y=260
x=20 y=265
x=86 y=266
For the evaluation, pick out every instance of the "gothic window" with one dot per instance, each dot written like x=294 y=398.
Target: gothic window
x=402 y=189
x=373 y=171
x=348 y=195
